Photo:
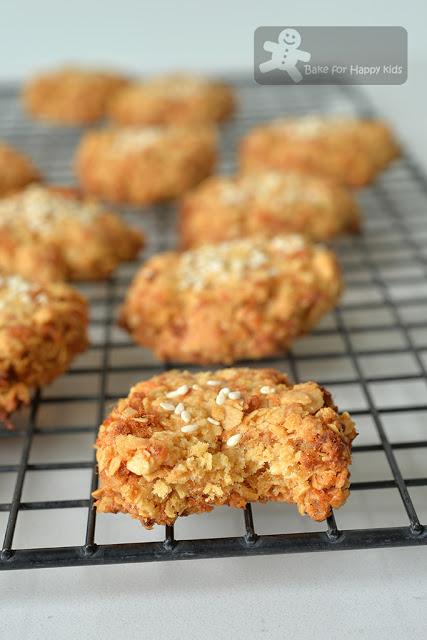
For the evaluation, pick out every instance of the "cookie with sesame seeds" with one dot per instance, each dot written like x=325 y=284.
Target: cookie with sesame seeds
x=71 y=95
x=241 y=299
x=16 y=170
x=143 y=165
x=51 y=233
x=182 y=443
x=350 y=151
x=225 y=208
x=42 y=328
x=177 y=98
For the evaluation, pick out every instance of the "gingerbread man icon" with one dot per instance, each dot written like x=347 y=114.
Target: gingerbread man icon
x=285 y=54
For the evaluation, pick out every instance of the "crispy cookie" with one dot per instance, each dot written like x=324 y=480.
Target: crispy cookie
x=51 y=234
x=71 y=96
x=351 y=152
x=172 y=99
x=240 y=299
x=183 y=443
x=42 y=328
x=16 y=170
x=224 y=208
x=145 y=165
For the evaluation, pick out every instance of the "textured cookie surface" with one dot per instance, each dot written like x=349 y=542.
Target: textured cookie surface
x=240 y=299
x=224 y=208
x=182 y=443
x=71 y=95
x=16 y=170
x=51 y=234
x=172 y=99
x=41 y=329
x=142 y=165
x=352 y=152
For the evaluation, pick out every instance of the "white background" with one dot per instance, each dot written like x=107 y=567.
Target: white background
x=370 y=594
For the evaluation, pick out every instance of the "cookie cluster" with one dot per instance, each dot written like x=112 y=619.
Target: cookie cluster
x=246 y=281
x=61 y=236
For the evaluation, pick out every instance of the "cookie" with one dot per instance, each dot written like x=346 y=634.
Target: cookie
x=46 y=228
x=52 y=234
x=183 y=443
x=70 y=95
x=236 y=300
x=225 y=208
x=172 y=99
x=16 y=170
x=351 y=152
x=42 y=328
x=146 y=164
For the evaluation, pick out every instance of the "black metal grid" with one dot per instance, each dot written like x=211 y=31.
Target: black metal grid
x=386 y=301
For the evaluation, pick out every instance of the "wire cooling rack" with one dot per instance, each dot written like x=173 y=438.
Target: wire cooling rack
x=369 y=352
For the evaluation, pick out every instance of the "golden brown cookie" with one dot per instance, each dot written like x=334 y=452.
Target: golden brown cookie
x=240 y=299
x=42 y=328
x=173 y=99
x=145 y=165
x=51 y=234
x=225 y=208
x=183 y=443
x=351 y=152
x=71 y=95
x=16 y=170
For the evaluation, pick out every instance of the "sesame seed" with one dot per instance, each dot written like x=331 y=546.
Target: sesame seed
x=186 y=416
x=213 y=383
x=179 y=408
x=233 y=440
x=181 y=391
x=234 y=395
x=225 y=391
x=220 y=399
x=189 y=428
x=167 y=406
x=266 y=390
x=195 y=386
x=213 y=421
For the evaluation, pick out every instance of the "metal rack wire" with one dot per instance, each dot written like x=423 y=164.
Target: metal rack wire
x=385 y=376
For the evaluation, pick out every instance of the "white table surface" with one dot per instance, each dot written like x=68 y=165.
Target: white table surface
x=364 y=594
